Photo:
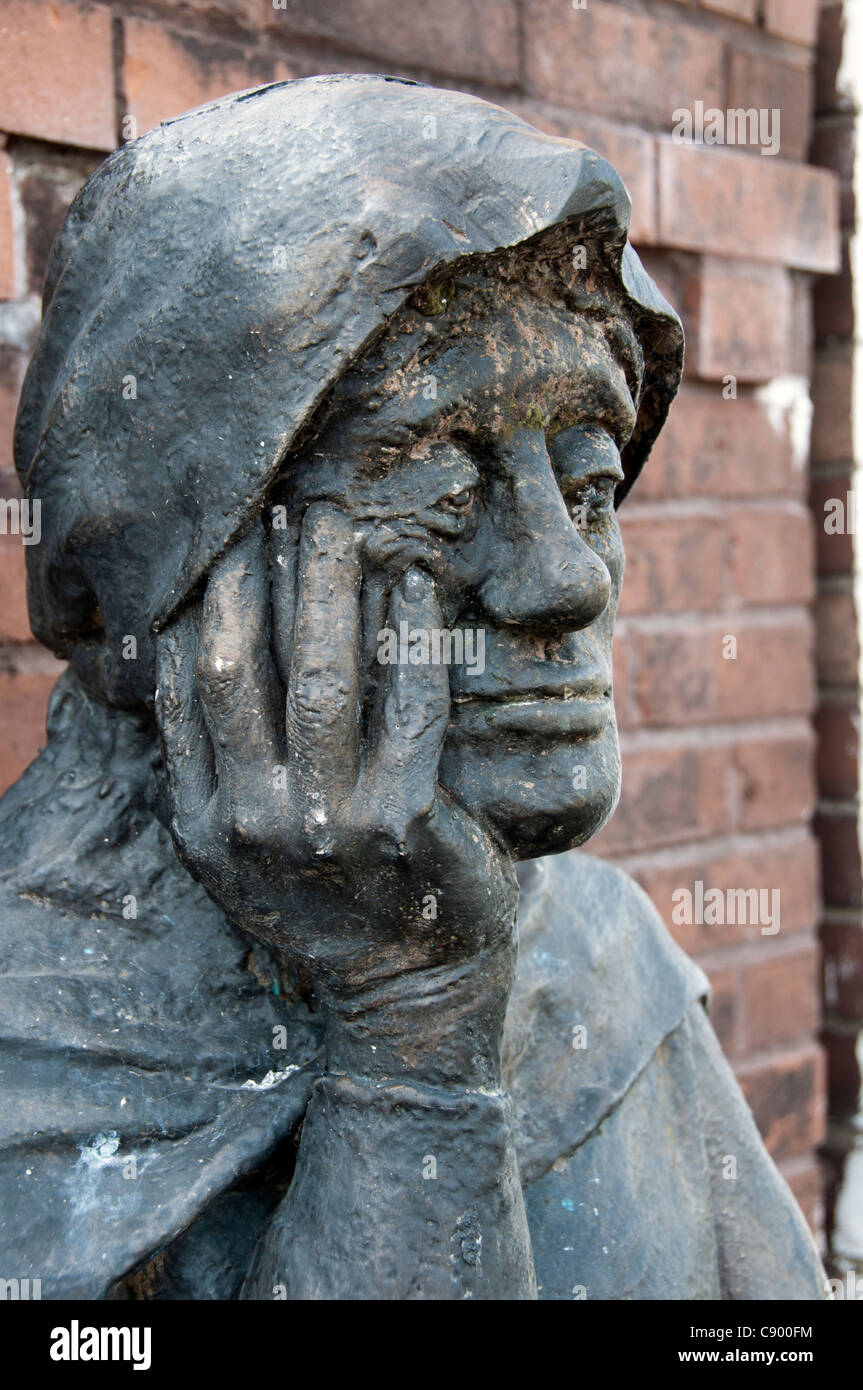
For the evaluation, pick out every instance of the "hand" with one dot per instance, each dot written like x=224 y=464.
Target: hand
x=336 y=845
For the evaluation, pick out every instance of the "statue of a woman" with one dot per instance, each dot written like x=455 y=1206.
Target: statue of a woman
x=339 y=384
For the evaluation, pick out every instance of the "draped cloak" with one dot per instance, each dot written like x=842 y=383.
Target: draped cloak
x=155 y=1069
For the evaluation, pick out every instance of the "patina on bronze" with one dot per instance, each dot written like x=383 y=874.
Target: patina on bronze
x=332 y=373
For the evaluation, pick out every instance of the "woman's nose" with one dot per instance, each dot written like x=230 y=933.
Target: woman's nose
x=542 y=573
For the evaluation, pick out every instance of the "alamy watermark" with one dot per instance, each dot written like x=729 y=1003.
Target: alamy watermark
x=20 y=1290
x=840 y=515
x=736 y=126
x=77 y=1343
x=719 y=907
x=21 y=516
x=848 y=1289
x=434 y=646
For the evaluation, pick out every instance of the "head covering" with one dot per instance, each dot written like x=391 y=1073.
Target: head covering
x=215 y=278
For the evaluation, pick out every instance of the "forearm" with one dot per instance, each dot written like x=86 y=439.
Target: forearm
x=407 y=1182
x=400 y=1192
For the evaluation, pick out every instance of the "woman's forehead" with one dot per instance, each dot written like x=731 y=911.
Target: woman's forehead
x=494 y=359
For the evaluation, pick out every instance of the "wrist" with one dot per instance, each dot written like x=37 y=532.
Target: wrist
x=440 y=1026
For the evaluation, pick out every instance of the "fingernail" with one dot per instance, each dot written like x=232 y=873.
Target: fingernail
x=413 y=585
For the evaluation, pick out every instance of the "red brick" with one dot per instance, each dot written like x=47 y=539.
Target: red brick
x=630 y=65
x=739 y=319
x=478 y=40
x=802 y=338
x=632 y=153
x=780 y=998
x=838 y=730
x=57 y=72
x=842 y=943
x=681 y=676
x=806 y=1186
x=748 y=206
x=776 y=781
x=831 y=38
x=832 y=383
x=762 y=82
x=708 y=445
x=771 y=554
x=14 y=622
x=660 y=550
x=834 y=549
x=250 y=16
x=791 y=866
x=48 y=180
x=844 y=1068
x=24 y=701
x=8 y=278
x=669 y=795
x=11 y=375
x=834 y=146
x=785 y=1097
x=166 y=73
x=796 y=20
x=837 y=643
x=622 y=699
x=837 y=834
x=833 y=300
x=736 y=9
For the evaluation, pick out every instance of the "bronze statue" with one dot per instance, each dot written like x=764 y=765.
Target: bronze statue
x=339 y=385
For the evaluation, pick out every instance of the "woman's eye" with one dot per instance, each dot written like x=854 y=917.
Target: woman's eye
x=459 y=502
x=591 y=502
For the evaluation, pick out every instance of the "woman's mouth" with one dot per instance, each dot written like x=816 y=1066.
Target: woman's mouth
x=573 y=712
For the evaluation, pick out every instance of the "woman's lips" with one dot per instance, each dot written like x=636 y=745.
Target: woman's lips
x=571 y=713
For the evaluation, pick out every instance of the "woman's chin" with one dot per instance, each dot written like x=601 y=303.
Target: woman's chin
x=541 y=799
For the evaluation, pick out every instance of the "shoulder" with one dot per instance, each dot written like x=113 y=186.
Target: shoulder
x=600 y=985
x=602 y=923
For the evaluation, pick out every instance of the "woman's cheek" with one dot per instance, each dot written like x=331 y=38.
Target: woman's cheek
x=607 y=542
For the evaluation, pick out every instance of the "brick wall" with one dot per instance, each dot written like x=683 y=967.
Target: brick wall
x=836 y=461
x=719 y=782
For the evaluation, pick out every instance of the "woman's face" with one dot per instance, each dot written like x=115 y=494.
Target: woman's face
x=484 y=447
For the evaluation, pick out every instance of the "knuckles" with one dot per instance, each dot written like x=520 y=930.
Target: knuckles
x=393 y=831
x=219 y=676
x=193 y=848
x=326 y=528
x=319 y=699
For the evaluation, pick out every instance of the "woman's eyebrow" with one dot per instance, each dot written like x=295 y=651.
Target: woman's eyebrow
x=593 y=380
x=595 y=395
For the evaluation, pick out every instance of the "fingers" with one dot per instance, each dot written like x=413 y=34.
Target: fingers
x=323 y=695
x=236 y=679
x=186 y=747
x=397 y=545
x=284 y=543
x=415 y=704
